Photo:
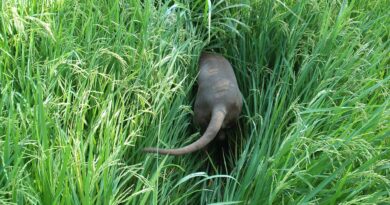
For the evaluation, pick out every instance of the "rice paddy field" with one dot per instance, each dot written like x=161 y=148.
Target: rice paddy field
x=86 y=85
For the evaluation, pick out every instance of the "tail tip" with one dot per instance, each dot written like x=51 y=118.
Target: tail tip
x=149 y=149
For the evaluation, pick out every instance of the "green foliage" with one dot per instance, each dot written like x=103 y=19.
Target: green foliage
x=85 y=85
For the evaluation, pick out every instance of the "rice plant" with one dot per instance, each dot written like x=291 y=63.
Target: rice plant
x=86 y=85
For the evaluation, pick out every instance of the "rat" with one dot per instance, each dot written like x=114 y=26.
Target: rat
x=218 y=102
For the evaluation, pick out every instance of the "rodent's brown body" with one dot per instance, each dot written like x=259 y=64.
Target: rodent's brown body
x=218 y=102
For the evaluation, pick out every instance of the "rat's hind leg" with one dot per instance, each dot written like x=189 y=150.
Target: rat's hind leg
x=221 y=135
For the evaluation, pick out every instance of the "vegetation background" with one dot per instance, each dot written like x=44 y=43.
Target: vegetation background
x=85 y=85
